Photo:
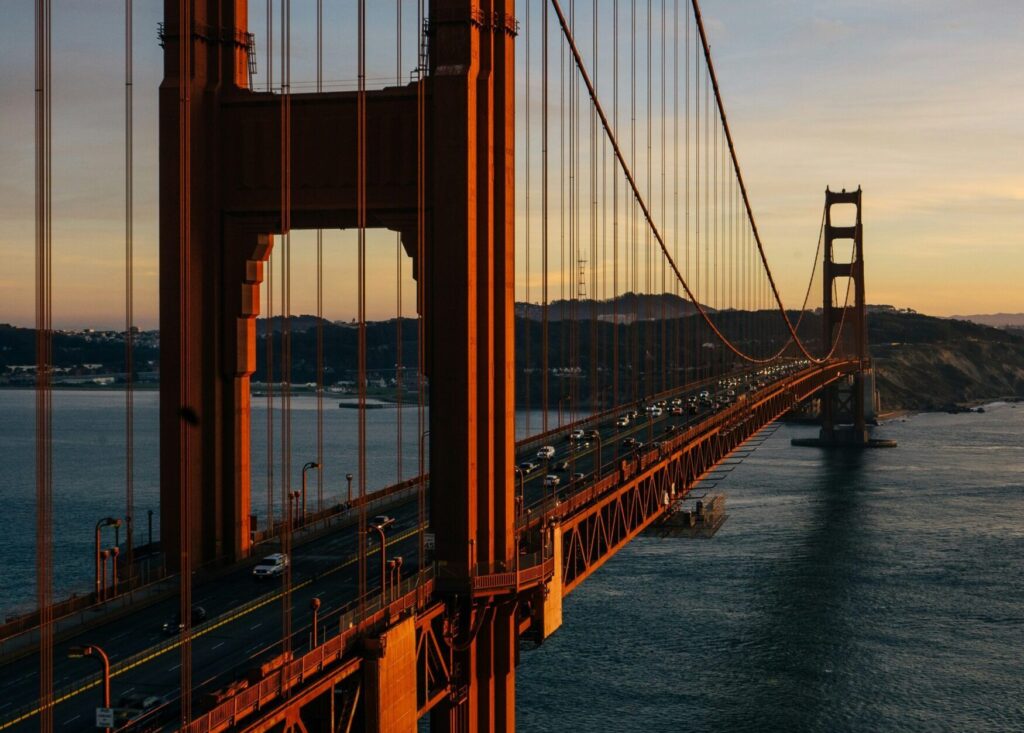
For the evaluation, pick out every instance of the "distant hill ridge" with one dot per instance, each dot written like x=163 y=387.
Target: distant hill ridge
x=626 y=307
x=922 y=362
x=997 y=320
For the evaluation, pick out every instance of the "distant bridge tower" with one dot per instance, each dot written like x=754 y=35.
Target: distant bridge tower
x=845 y=406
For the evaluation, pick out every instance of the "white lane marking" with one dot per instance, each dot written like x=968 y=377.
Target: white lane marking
x=119 y=636
x=71 y=720
x=253 y=628
x=176 y=666
x=219 y=645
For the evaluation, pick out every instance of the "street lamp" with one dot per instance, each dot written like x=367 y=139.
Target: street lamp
x=105 y=522
x=114 y=551
x=395 y=574
x=315 y=607
x=348 y=477
x=89 y=650
x=104 y=554
x=307 y=467
x=379 y=528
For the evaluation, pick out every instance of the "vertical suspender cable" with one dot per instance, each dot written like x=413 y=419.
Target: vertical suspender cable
x=594 y=295
x=635 y=325
x=677 y=324
x=269 y=345
x=361 y=223
x=398 y=271
x=44 y=343
x=294 y=516
x=421 y=234
x=545 y=406
x=185 y=38
x=615 y=209
x=270 y=335
x=129 y=315
x=687 y=350
x=421 y=193
x=319 y=289
x=527 y=330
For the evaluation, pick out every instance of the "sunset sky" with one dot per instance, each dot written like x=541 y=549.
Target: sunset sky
x=921 y=102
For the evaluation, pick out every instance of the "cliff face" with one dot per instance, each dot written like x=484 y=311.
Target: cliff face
x=933 y=375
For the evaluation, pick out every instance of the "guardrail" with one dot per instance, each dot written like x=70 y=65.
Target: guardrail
x=360 y=617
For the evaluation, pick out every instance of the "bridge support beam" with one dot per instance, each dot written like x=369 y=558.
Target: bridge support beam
x=551 y=604
x=390 y=681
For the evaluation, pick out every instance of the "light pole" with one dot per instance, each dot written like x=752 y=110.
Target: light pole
x=105 y=522
x=379 y=528
x=307 y=467
x=597 y=437
x=90 y=650
x=395 y=576
x=315 y=607
x=104 y=554
x=114 y=552
x=348 y=504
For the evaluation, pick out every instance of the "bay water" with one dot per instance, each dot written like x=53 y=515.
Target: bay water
x=879 y=590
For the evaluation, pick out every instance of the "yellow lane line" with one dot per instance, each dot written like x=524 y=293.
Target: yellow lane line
x=119 y=670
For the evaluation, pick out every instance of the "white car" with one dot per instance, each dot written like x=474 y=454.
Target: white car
x=622 y=422
x=270 y=566
x=550 y=481
x=576 y=435
x=546 y=453
x=655 y=412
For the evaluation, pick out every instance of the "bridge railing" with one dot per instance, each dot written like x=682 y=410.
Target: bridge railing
x=354 y=620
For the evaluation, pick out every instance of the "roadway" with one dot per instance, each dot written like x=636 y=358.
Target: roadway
x=244 y=623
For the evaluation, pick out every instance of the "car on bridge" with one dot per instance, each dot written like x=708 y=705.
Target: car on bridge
x=655 y=411
x=562 y=466
x=381 y=520
x=546 y=453
x=551 y=481
x=270 y=566
x=527 y=466
x=622 y=422
x=175 y=626
x=576 y=477
x=576 y=435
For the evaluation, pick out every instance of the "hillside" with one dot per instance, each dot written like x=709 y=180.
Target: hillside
x=925 y=363
x=922 y=363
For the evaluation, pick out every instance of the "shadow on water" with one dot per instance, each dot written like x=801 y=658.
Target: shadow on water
x=800 y=642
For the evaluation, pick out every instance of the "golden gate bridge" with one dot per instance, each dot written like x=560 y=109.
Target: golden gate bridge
x=575 y=156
